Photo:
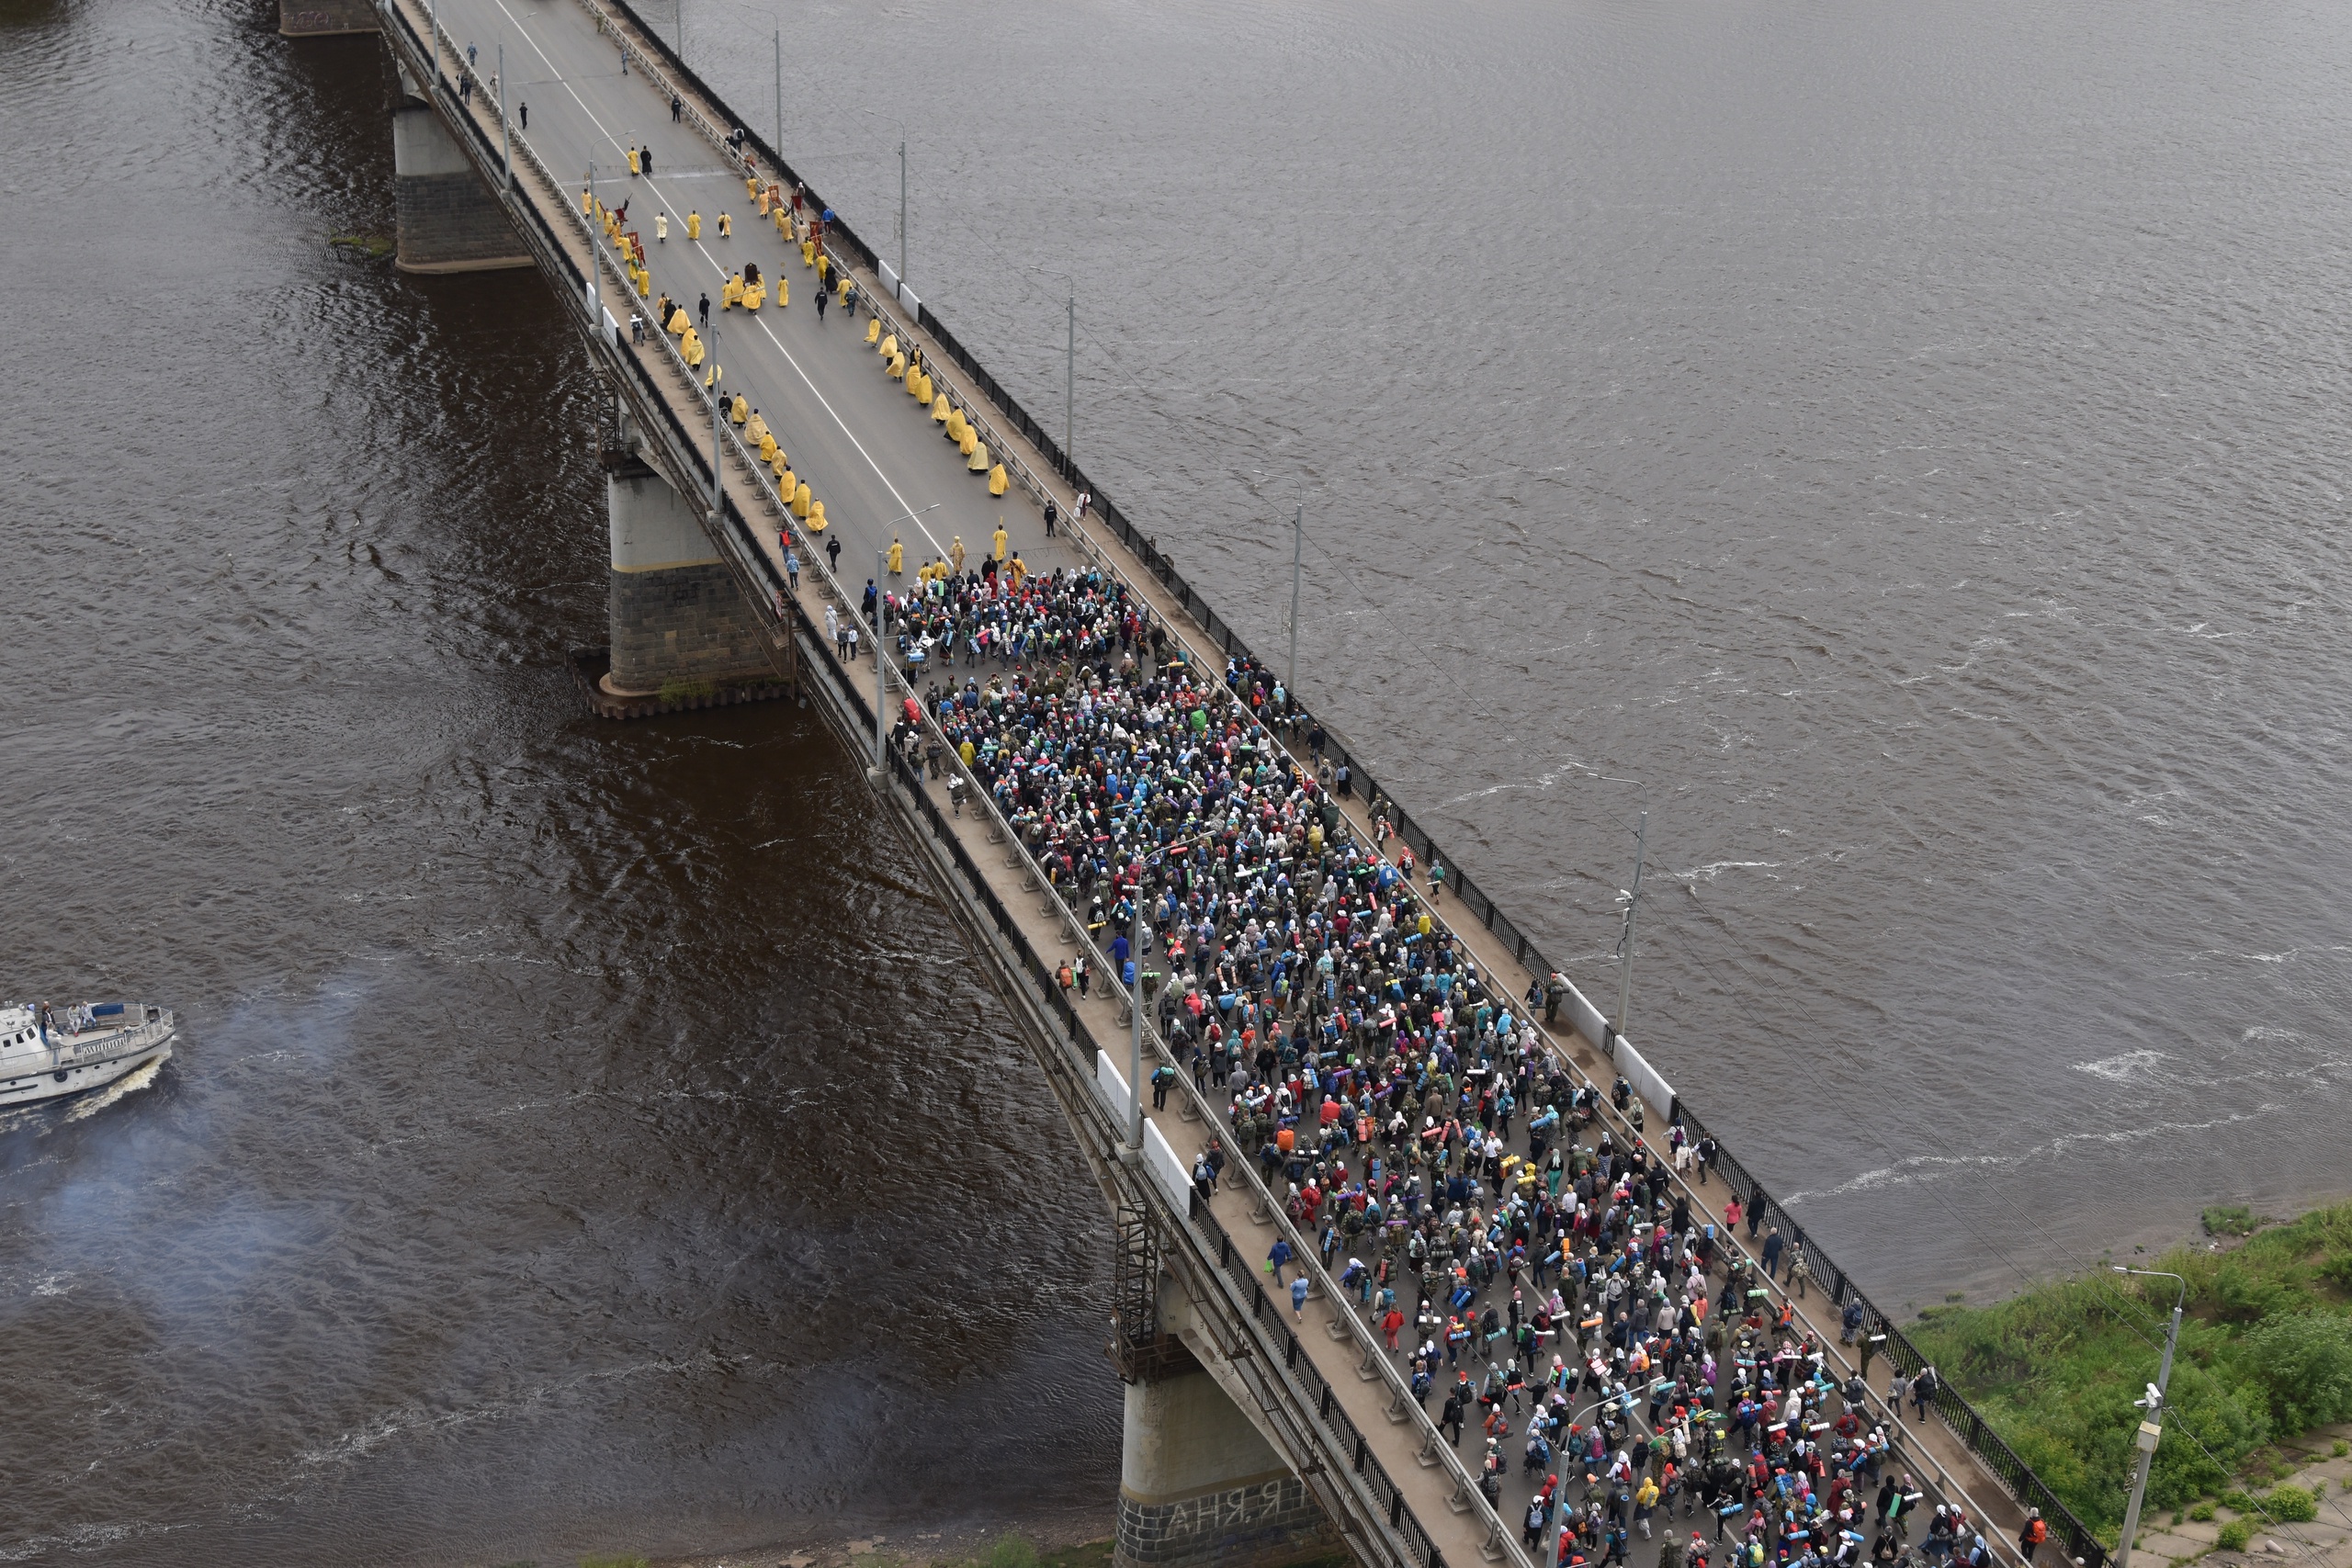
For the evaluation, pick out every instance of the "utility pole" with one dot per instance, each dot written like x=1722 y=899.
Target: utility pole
x=881 y=680
x=1298 y=554
x=2152 y=1429
x=589 y=218
x=505 y=137
x=715 y=469
x=1069 y=381
x=902 y=209
x=1626 y=938
x=1135 y=1004
x=779 y=93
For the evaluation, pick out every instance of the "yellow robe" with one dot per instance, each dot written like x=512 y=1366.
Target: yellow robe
x=740 y=410
x=898 y=557
x=754 y=297
x=732 y=295
x=680 y=321
x=767 y=448
x=726 y=227
x=693 y=225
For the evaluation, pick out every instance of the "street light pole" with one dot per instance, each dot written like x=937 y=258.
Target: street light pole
x=902 y=209
x=1298 y=554
x=715 y=470
x=2152 y=1429
x=589 y=218
x=779 y=93
x=505 y=137
x=1135 y=1007
x=1069 y=381
x=1625 y=940
x=881 y=677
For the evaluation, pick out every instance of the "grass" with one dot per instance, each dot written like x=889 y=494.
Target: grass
x=2234 y=1535
x=688 y=692
x=2266 y=1353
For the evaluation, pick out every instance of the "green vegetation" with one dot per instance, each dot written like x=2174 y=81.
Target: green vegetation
x=2290 y=1504
x=686 y=692
x=374 y=247
x=2202 y=1512
x=2235 y=1534
x=2266 y=1353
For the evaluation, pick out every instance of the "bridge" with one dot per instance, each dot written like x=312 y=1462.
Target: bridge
x=1257 y=1432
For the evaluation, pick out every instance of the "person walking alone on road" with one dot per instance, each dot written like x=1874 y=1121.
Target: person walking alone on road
x=821 y=298
x=524 y=115
x=661 y=228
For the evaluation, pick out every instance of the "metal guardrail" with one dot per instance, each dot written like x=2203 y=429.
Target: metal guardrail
x=2000 y=1459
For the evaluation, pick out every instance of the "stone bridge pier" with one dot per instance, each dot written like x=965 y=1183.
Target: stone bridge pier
x=448 y=219
x=677 y=615
x=1200 y=1484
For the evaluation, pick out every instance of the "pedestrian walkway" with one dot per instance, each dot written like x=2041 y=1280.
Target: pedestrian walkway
x=1630 y=1370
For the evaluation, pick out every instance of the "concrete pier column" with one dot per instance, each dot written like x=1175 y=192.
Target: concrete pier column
x=448 y=219
x=323 y=19
x=1199 y=1488
x=677 y=615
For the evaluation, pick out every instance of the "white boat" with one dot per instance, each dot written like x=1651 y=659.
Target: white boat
x=49 y=1052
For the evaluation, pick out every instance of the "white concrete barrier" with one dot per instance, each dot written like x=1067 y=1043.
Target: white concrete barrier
x=1173 y=1175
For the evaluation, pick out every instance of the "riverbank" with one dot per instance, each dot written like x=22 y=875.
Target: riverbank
x=2261 y=1383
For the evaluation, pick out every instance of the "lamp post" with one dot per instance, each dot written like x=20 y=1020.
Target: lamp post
x=1298 y=554
x=881 y=661
x=1069 y=369
x=715 y=469
x=1625 y=938
x=1135 y=997
x=2152 y=1428
x=505 y=137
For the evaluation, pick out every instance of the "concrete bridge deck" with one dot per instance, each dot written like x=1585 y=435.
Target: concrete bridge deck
x=875 y=458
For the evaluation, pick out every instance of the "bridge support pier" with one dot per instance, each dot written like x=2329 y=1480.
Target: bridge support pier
x=324 y=19
x=448 y=219
x=1199 y=1488
x=677 y=617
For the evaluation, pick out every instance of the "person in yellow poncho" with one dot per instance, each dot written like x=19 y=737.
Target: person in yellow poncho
x=740 y=410
x=767 y=447
x=998 y=538
x=1020 y=570
x=726 y=227
x=731 y=294
x=757 y=431
x=680 y=324
x=693 y=225
x=955 y=551
x=898 y=557
x=690 y=348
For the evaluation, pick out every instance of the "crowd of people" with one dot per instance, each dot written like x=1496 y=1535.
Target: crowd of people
x=1626 y=1363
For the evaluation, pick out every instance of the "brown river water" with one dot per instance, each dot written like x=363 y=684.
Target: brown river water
x=1901 y=448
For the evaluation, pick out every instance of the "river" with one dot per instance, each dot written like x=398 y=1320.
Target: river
x=1900 y=448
